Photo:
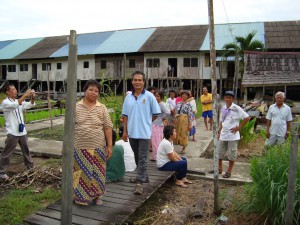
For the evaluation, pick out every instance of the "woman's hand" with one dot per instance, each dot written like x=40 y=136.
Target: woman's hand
x=109 y=152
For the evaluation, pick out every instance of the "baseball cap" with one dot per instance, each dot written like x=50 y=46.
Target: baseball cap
x=229 y=93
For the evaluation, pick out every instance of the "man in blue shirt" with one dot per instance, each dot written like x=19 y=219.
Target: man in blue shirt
x=139 y=110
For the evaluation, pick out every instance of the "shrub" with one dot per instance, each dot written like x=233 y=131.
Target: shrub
x=268 y=193
x=247 y=132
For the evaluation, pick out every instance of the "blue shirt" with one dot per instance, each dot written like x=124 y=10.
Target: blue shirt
x=139 y=112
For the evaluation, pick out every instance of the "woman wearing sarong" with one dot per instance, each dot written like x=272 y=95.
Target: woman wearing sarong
x=183 y=123
x=159 y=123
x=194 y=110
x=93 y=146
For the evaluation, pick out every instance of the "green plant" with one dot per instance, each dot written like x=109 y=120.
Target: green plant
x=268 y=192
x=247 y=132
x=19 y=204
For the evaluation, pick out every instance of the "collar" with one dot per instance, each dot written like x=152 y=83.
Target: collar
x=283 y=105
x=81 y=103
x=143 y=91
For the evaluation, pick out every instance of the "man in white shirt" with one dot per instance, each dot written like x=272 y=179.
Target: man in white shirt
x=278 y=118
x=229 y=131
x=14 y=124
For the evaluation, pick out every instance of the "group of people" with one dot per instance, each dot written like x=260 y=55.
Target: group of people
x=145 y=117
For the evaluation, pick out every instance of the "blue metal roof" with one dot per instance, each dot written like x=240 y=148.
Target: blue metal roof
x=225 y=33
x=86 y=43
x=125 y=41
x=16 y=47
x=5 y=43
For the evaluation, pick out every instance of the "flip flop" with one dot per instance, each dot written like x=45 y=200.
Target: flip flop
x=212 y=171
x=98 y=201
x=188 y=182
x=227 y=175
x=181 y=185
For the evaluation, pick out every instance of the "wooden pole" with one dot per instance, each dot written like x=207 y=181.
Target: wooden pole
x=292 y=175
x=48 y=97
x=68 y=144
x=215 y=105
x=124 y=78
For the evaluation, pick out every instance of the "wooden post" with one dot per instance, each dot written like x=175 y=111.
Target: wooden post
x=124 y=78
x=68 y=143
x=48 y=97
x=215 y=105
x=292 y=175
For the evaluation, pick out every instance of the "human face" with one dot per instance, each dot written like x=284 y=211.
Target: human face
x=92 y=93
x=174 y=134
x=184 y=97
x=157 y=96
x=12 y=93
x=205 y=91
x=138 y=82
x=172 y=95
x=279 y=100
x=228 y=100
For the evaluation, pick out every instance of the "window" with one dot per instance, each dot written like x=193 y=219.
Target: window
x=149 y=63
x=194 y=62
x=131 y=63
x=207 y=60
x=11 y=68
x=156 y=62
x=86 y=64
x=103 y=64
x=46 y=66
x=190 y=62
x=23 y=67
x=186 y=62
x=58 y=66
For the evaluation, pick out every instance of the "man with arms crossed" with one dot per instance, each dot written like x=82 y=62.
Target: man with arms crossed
x=206 y=100
x=139 y=110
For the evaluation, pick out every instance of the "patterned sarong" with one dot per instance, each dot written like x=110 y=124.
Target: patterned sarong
x=89 y=172
x=156 y=137
x=182 y=130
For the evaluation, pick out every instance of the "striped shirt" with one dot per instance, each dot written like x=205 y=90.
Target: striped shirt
x=89 y=126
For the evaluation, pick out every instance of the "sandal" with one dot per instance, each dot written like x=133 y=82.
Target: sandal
x=188 y=182
x=227 y=175
x=138 y=190
x=134 y=180
x=212 y=171
x=98 y=201
x=84 y=203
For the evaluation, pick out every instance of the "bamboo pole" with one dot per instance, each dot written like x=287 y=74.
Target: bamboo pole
x=292 y=175
x=68 y=144
x=215 y=105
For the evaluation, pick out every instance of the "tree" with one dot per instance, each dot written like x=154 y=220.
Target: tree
x=237 y=49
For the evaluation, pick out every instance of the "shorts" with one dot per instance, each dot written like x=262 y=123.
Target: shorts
x=231 y=147
x=208 y=114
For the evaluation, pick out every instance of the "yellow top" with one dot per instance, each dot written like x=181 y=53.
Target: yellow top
x=205 y=98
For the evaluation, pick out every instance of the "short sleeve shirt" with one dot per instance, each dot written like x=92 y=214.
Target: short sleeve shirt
x=279 y=117
x=205 y=98
x=165 y=147
x=230 y=118
x=139 y=112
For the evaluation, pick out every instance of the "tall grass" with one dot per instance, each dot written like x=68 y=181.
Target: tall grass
x=268 y=193
x=247 y=132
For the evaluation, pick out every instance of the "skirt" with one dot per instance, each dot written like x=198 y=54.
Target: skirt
x=182 y=130
x=89 y=174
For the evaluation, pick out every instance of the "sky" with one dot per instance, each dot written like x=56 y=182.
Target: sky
x=39 y=18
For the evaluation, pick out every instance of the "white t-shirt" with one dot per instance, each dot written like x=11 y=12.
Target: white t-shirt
x=13 y=113
x=128 y=155
x=230 y=118
x=165 y=147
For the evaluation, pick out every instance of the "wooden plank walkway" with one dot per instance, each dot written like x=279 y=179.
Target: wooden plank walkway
x=119 y=202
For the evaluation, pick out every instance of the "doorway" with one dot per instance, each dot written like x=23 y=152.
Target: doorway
x=4 y=72
x=172 y=67
x=34 y=71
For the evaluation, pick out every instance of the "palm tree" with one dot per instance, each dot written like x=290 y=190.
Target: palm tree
x=237 y=49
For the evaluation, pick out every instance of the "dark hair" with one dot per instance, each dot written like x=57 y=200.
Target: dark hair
x=138 y=73
x=151 y=88
x=173 y=91
x=168 y=131
x=161 y=94
x=91 y=83
x=121 y=129
x=114 y=137
x=7 y=87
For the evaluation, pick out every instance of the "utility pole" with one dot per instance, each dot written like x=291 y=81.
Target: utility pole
x=215 y=105
x=68 y=144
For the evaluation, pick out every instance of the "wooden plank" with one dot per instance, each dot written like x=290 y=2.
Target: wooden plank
x=54 y=214
x=35 y=219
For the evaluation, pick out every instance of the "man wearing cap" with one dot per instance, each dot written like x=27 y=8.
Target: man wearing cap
x=229 y=134
x=279 y=117
x=206 y=100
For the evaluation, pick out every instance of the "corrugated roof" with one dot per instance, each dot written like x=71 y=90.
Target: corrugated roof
x=5 y=43
x=271 y=69
x=45 y=48
x=177 y=38
x=86 y=43
x=282 y=35
x=17 y=47
x=125 y=41
x=225 y=33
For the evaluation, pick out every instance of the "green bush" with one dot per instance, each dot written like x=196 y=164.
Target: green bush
x=268 y=193
x=247 y=132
